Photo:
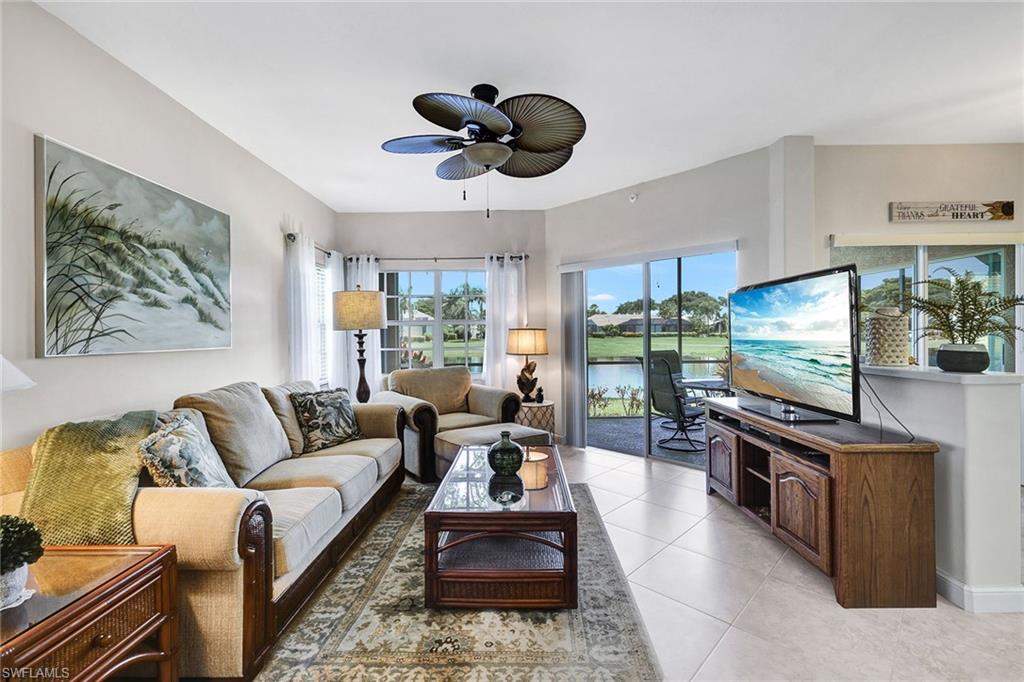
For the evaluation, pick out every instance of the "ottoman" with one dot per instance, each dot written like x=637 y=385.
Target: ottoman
x=447 y=443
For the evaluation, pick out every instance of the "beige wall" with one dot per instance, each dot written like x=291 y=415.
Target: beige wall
x=58 y=84
x=451 y=234
x=854 y=185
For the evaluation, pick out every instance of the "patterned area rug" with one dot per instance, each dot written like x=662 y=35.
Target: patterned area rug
x=368 y=620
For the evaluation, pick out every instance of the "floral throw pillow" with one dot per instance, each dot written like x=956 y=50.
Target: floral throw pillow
x=179 y=456
x=326 y=418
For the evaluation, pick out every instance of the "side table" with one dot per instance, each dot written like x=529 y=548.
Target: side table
x=538 y=415
x=96 y=611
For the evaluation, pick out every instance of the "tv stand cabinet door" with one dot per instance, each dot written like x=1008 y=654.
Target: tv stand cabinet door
x=801 y=510
x=723 y=466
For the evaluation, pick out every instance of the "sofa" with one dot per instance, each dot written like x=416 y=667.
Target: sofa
x=442 y=399
x=249 y=557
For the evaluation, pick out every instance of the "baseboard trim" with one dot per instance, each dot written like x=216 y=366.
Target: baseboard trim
x=980 y=598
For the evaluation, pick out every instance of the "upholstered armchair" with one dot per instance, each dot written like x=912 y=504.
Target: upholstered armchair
x=441 y=400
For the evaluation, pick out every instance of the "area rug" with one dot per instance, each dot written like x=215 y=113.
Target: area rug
x=368 y=621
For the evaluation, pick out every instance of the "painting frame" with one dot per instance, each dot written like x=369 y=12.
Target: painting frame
x=218 y=285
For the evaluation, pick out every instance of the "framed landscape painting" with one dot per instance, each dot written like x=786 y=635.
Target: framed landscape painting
x=128 y=266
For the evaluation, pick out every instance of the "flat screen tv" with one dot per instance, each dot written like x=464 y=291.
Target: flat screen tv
x=793 y=341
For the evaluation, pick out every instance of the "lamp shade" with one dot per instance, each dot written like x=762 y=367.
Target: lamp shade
x=527 y=341
x=359 y=310
x=12 y=378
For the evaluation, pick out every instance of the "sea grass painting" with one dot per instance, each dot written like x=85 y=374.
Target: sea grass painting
x=130 y=266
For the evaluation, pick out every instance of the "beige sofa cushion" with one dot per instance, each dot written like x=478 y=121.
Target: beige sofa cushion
x=351 y=475
x=242 y=427
x=462 y=420
x=386 y=452
x=447 y=389
x=282 y=406
x=302 y=516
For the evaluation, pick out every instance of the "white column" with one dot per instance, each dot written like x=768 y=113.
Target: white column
x=791 y=246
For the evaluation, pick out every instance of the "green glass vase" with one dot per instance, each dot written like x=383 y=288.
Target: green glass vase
x=505 y=457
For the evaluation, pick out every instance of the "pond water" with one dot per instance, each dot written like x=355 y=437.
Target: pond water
x=632 y=375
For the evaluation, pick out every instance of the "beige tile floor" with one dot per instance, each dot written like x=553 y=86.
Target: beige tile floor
x=722 y=600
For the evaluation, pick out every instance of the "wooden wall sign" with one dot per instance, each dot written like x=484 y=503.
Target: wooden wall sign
x=949 y=211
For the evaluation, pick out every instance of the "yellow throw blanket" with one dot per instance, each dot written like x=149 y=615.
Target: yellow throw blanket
x=84 y=479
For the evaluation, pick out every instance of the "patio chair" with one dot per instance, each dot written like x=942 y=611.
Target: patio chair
x=670 y=399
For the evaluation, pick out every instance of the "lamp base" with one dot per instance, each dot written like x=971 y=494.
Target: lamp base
x=363 y=388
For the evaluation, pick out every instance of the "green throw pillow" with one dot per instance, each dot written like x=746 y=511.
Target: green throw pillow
x=326 y=418
x=179 y=456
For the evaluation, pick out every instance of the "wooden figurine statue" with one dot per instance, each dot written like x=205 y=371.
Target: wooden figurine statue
x=526 y=381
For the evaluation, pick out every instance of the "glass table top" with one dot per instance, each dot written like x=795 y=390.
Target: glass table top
x=63 y=575
x=471 y=486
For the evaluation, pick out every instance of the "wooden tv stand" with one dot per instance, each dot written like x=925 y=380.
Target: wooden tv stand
x=860 y=510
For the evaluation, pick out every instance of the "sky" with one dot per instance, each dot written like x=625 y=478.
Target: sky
x=809 y=310
x=713 y=273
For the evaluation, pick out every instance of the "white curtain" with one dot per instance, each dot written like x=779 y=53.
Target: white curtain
x=303 y=311
x=337 y=356
x=364 y=271
x=506 y=308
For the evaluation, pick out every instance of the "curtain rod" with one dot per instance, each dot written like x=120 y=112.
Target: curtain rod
x=291 y=237
x=524 y=256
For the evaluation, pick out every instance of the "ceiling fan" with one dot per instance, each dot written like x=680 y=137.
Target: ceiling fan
x=525 y=136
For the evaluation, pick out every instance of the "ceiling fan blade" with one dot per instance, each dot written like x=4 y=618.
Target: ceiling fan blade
x=424 y=144
x=548 y=123
x=529 y=165
x=455 y=112
x=457 y=168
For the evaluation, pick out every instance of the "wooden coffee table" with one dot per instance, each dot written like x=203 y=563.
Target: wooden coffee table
x=481 y=553
x=96 y=611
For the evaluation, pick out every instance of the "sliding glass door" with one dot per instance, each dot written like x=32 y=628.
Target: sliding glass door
x=615 y=349
x=657 y=343
x=687 y=350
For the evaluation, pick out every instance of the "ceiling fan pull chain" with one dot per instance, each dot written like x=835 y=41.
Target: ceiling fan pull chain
x=463 y=189
x=487 y=184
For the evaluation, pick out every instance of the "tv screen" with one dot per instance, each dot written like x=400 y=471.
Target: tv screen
x=794 y=340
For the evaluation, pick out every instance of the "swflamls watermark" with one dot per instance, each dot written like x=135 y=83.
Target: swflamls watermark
x=35 y=673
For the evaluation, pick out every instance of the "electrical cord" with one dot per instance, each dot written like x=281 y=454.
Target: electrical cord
x=886 y=408
x=881 y=429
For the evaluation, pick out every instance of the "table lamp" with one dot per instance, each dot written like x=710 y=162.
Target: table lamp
x=355 y=311
x=527 y=341
x=534 y=471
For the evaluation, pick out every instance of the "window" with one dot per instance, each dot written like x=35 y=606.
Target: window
x=435 y=319
x=322 y=297
x=888 y=276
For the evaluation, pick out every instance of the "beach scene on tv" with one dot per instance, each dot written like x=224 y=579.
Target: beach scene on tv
x=792 y=341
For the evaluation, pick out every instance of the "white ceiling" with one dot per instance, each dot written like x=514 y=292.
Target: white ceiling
x=313 y=89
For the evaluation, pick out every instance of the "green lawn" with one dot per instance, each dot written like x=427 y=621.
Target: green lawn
x=633 y=346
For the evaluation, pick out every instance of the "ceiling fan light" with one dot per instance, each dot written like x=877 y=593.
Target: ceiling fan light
x=487 y=154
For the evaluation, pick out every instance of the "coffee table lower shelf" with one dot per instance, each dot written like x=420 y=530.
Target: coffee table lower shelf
x=506 y=568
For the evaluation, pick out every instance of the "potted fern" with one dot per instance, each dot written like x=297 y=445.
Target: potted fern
x=21 y=544
x=960 y=311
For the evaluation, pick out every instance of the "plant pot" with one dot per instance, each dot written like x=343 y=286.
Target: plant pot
x=12 y=584
x=962 y=357
x=505 y=457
